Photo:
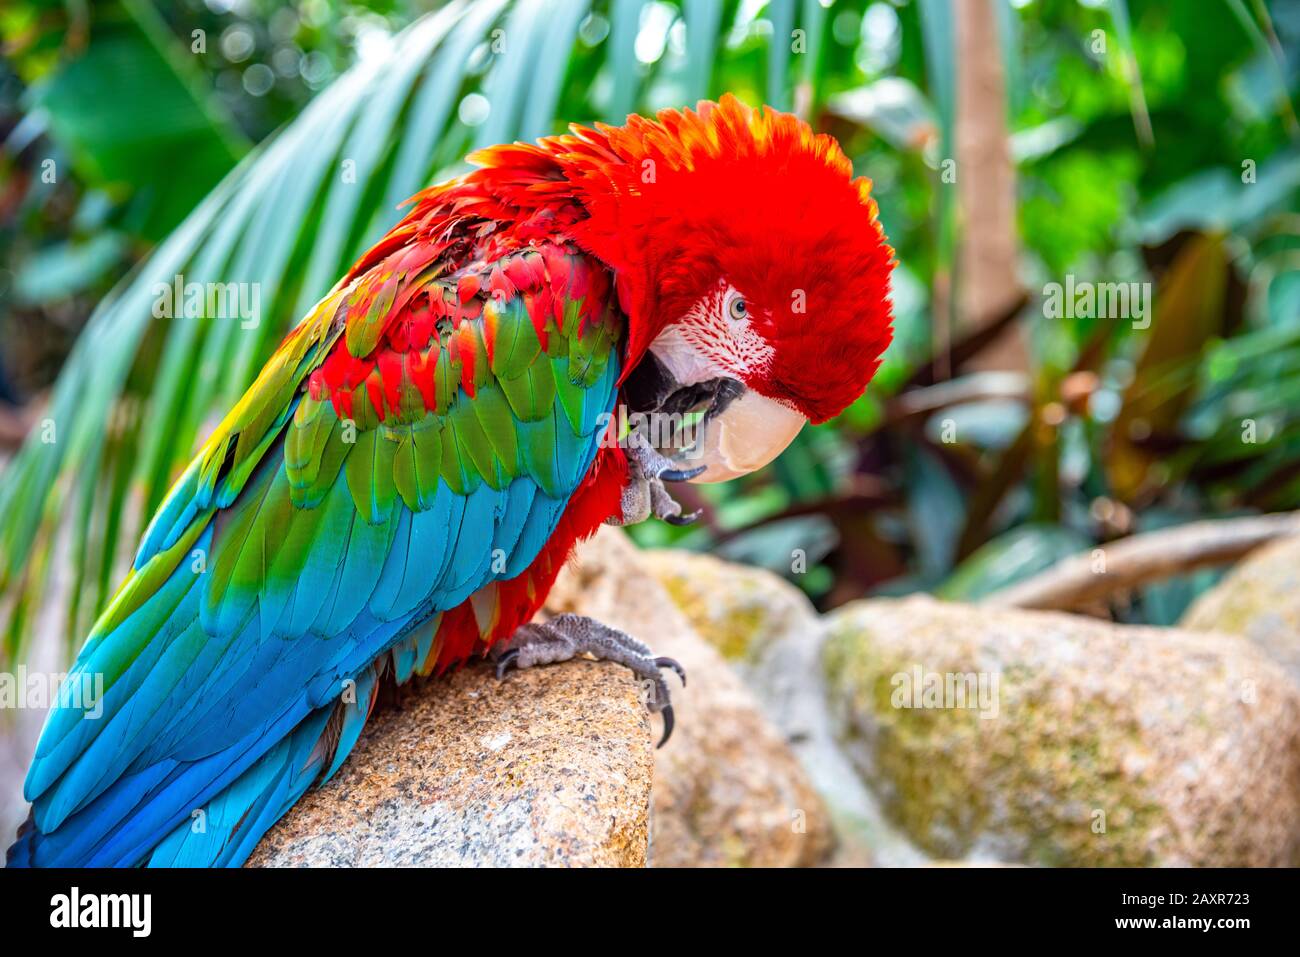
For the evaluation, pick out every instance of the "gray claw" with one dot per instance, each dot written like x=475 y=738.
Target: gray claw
x=505 y=661
x=672 y=663
x=681 y=475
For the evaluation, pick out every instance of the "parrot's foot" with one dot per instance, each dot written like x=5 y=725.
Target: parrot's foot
x=567 y=636
x=645 y=493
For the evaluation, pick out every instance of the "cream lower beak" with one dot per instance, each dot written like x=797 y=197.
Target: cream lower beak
x=750 y=432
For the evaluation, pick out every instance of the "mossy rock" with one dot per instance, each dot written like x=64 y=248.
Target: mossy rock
x=1100 y=744
x=1260 y=599
x=741 y=610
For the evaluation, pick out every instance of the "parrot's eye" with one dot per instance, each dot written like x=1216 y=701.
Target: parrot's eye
x=737 y=309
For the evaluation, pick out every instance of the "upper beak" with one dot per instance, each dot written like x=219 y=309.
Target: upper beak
x=750 y=432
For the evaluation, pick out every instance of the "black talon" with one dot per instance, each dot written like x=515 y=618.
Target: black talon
x=673 y=664
x=681 y=475
x=682 y=519
x=667 y=714
x=505 y=661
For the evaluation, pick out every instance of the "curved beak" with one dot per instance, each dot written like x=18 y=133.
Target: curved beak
x=750 y=432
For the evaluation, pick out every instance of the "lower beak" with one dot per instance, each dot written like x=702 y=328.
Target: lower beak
x=750 y=432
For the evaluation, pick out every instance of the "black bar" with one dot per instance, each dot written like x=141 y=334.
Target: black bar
x=961 y=905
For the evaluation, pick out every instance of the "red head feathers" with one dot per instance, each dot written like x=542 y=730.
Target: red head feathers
x=754 y=200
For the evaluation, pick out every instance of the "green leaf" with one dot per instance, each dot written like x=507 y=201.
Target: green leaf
x=62 y=270
x=1132 y=74
x=625 y=21
x=286 y=221
x=781 y=15
x=1009 y=558
x=703 y=20
x=93 y=104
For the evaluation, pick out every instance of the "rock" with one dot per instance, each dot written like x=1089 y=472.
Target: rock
x=1103 y=744
x=740 y=610
x=727 y=789
x=1259 y=598
x=771 y=634
x=550 y=767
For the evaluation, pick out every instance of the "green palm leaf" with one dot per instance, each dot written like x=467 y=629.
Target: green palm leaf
x=139 y=392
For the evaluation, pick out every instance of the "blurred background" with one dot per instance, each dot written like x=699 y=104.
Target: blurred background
x=1013 y=146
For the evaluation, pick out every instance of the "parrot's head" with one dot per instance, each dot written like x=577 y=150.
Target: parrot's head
x=754 y=272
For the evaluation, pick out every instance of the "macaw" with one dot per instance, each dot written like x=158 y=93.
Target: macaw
x=398 y=489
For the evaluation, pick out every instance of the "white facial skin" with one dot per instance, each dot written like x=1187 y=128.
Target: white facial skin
x=716 y=339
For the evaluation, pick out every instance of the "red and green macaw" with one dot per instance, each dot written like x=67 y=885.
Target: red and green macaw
x=398 y=489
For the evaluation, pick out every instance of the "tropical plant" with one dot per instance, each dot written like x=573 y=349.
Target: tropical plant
x=1131 y=131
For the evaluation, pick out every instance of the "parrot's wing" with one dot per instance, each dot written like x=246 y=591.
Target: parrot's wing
x=416 y=438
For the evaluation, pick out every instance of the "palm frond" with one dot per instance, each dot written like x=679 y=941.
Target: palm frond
x=139 y=391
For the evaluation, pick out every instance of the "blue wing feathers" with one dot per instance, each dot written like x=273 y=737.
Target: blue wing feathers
x=231 y=687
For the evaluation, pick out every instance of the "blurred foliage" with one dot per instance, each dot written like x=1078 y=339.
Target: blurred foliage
x=1153 y=141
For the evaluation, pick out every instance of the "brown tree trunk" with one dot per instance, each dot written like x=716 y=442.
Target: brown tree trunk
x=986 y=181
